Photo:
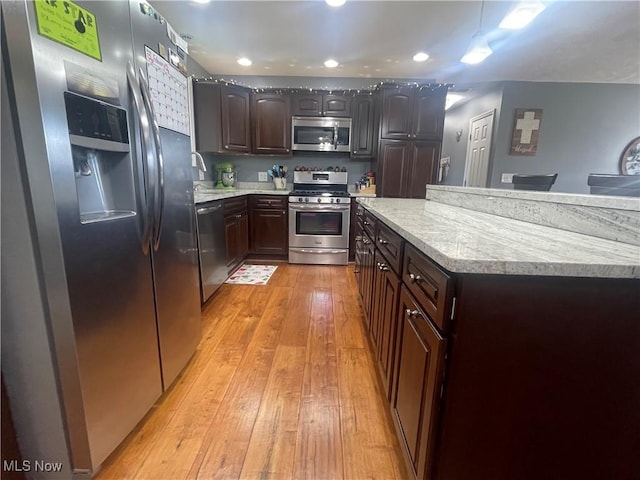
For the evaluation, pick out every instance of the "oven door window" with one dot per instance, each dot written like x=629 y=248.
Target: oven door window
x=319 y=223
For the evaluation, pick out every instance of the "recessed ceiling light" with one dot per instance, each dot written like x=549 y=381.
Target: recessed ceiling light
x=335 y=3
x=331 y=63
x=244 y=61
x=420 y=57
x=201 y=1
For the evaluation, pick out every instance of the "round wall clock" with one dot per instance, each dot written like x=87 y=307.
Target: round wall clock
x=630 y=158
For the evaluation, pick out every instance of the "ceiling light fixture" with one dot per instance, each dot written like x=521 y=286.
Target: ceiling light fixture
x=331 y=63
x=522 y=15
x=420 y=57
x=244 y=61
x=479 y=48
x=201 y=1
x=335 y=3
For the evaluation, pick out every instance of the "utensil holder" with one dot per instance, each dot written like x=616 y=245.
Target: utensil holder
x=280 y=183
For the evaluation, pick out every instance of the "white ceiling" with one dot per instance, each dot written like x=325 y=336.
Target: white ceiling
x=587 y=41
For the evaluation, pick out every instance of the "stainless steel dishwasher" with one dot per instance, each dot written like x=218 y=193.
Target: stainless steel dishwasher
x=211 y=248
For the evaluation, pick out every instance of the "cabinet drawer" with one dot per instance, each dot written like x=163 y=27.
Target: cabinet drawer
x=390 y=245
x=235 y=205
x=430 y=285
x=369 y=222
x=269 y=201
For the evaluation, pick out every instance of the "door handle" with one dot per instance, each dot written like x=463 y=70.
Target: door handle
x=159 y=194
x=147 y=153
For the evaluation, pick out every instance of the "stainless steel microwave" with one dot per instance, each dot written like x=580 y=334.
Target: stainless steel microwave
x=321 y=134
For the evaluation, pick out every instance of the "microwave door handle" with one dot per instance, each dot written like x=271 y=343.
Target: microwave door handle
x=335 y=136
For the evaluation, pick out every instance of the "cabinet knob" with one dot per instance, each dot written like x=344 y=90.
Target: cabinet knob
x=383 y=267
x=238 y=216
x=358 y=214
x=412 y=313
x=382 y=242
x=366 y=223
x=414 y=278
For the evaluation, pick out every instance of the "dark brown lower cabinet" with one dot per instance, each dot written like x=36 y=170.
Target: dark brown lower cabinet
x=385 y=297
x=269 y=225
x=236 y=226
x=417 y=383
x=237 y=239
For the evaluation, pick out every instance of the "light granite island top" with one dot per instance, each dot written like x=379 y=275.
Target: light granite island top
x=462 y=240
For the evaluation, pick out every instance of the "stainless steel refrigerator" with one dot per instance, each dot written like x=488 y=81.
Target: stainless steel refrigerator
x=102 y=143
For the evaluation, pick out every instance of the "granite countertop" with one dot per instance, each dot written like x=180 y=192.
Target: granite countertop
x=467 y=241
x=209 y=194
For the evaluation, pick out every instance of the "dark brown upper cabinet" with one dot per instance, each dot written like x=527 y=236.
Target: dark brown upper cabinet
x=321 y=105
x=363 y=132
x=406 y=167
x=222 y=118
x=413 y=112
x=271 y=123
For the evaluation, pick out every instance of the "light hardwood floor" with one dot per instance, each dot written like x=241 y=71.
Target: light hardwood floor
x=282 y=386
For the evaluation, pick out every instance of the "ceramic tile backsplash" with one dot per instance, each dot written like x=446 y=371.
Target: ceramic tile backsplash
x=248 y=166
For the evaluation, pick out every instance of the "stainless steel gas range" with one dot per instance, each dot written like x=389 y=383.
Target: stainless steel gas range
x=319 y=212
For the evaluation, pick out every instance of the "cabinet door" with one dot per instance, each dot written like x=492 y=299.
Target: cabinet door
x=363 y=131
x=388 y=291
x=417 y=383
x=353 y=226
x=206 y=111
x=243 y=235
x=378 y=274
x=394 y=159
x=236 y=131
x=422 y=168
x=307 y=104
x=428 y=113
x=269 y=232
x=231 y=239
x=271 y=123
x=397 y=107
x=336 y=105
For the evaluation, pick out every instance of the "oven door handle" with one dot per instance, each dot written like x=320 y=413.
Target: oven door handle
x=319 y=208
x=319 y=251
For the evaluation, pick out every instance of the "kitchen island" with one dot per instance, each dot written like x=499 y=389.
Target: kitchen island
x=507 y=348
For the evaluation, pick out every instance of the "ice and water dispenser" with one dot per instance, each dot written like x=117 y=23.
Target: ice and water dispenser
x=102 y=160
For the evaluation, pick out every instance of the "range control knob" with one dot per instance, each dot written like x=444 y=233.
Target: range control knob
x=306 y=199
x=319 y=200
x=337 y=200
x=300 y=199
x=332 y=200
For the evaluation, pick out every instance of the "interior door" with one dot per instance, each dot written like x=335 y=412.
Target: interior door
x=476 y=170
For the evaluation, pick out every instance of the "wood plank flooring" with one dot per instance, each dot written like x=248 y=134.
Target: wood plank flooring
x=282 y=386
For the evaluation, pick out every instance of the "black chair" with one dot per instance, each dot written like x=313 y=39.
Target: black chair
x=620 y=185
x=541 y=183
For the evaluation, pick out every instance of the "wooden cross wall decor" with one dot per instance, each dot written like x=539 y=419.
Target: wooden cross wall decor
x=526 y=128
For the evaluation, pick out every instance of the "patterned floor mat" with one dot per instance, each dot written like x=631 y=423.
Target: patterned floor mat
x=252 y=274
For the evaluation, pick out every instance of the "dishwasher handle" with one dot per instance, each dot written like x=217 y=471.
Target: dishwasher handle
x=205 y=210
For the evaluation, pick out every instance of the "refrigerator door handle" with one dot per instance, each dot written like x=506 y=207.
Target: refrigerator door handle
x=143 y=120
x=159 y=194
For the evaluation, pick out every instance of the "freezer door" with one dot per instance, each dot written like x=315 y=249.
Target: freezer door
x=110 y=325
x=175 y=259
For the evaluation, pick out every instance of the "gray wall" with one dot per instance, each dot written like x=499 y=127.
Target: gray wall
x=248 y=166
x=486 y=97
x=584 y=129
